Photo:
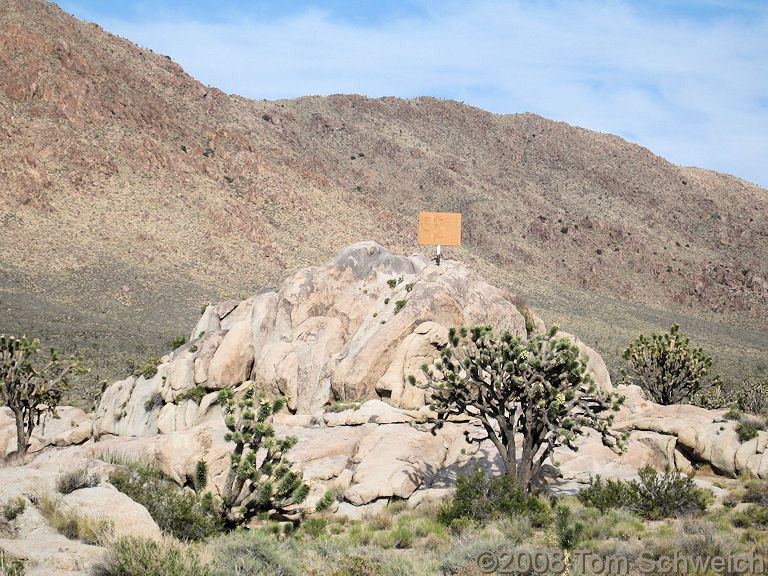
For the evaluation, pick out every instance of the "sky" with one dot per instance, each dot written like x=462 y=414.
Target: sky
x=688 y=80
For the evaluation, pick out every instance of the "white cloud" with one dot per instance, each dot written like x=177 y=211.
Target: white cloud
x=692 y=90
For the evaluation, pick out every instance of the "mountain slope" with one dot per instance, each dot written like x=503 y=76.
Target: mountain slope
x=131 y=194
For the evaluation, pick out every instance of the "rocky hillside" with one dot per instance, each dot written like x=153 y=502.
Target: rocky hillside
x=131 y=194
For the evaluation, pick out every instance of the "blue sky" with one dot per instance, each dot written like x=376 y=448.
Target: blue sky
x=689 y=80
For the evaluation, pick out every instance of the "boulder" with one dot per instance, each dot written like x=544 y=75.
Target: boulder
x=393 y=461
x=207 y=346
x=177 y=456
x=232 y=362
x=45 y=551
x=107 y=503
x=180 y=375
x=374 y=411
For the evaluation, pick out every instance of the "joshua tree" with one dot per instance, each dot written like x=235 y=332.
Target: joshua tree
x=667 y=367
x=32 y=391
x=539 y=389
x=253 y=485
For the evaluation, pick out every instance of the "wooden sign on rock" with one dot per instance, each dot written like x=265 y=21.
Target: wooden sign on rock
x=440 y=228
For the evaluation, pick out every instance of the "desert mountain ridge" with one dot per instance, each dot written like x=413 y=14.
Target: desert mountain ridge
x=131 y=194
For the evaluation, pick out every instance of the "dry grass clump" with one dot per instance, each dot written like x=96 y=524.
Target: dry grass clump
x=168 y=557
x=70 y=523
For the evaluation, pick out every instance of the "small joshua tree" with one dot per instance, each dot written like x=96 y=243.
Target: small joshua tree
x=667 y=367
x=32 y=391
x=539 y=389
x=253 y=485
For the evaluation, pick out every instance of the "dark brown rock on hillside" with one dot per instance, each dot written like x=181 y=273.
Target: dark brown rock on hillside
x=131 y=194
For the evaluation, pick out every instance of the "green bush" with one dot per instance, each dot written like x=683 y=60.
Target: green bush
x=403 y=537
x=399 y=305
x=14 y=508
x=149 y=368
x=668 y=494
x=654 y=496
x=756 y=492
x=195 y=394
x=177 y=342
x=354 y=565
x=746 y=432
x=145 y=557
x=254 y=553
x=314 y=526
x=175 y=509
x=607 y=494
x=754 y=516
x=481 y=498
x=75 y=480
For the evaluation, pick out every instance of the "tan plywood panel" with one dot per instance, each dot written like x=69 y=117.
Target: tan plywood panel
x=442 y=228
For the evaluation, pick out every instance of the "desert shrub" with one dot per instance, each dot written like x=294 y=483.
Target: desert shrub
x=654 y=496
x=481 y=498
x=747 y=396
x=384 y=539
x=694 y=538
x=10 y=565
x=14 y=508
x=399 y=305
x=75 y=480
x=254 y=553
x=754 y=516
x=382 y=521
x=195 y=394
x=353 y=565
x=314 y=526
x=752 y=397
x=134 y=556
x=403 y=537
x=359 y=535
x=730 y=501
x=668 y=494
x=607 y=494
x=341 y=406
x=746 y=432
x=175 y=509
x=177 y=342
x=461 y=556
x=149 y=368
x=756 y=492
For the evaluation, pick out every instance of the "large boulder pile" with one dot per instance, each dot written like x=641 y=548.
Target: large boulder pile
x=355 y=328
